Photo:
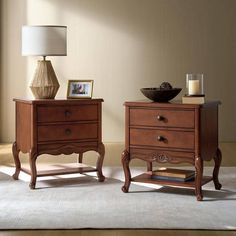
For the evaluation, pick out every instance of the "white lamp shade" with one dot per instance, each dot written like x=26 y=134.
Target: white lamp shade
x=44 y=40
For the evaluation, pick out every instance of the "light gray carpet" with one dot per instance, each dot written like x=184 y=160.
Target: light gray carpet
x=74 y=203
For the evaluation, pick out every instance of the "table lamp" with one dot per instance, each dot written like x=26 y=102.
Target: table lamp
x=44 y=40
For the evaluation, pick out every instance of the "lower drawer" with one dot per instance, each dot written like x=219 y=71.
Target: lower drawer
x=67 y=132
x=162 y=138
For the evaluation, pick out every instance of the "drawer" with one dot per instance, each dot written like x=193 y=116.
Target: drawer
x=67 y=113
x=162 y=117
x=67 y=132
x=162 y=138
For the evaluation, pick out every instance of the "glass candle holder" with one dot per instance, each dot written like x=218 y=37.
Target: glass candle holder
x=194 y=85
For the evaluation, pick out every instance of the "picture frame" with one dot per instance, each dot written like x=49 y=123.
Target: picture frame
x=80 y=89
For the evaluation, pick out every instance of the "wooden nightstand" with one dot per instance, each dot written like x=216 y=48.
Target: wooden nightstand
x=58 y=127
x=172 y=133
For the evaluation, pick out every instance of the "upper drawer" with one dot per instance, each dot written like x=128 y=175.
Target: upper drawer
x=67 y=113
x=162 y=117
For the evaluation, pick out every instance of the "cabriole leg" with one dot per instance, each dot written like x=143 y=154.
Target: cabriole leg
x=149 y=166
x=217 y=159
x=80 y=158
x=15 y=152
x=198 y=181
x=125 y=158
x=101 y=151
x=32 y=162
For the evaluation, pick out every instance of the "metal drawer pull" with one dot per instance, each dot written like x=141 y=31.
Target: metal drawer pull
x=67 y=113
x=160 y=138
x=68 y=131
x=160 y=118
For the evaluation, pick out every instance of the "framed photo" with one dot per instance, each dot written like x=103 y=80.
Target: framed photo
x=80 y=89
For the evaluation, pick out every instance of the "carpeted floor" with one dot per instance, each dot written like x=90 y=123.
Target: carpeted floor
x=70 y=202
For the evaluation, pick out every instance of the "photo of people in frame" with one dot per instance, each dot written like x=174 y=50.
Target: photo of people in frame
x=80 y=89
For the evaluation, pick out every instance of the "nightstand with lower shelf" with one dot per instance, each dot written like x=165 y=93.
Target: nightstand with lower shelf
x=56 y=127
x=172 y=133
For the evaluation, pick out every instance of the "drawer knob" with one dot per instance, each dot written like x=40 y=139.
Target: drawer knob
x=160 y=138
x=67 y=113
x=160 y=118
x=67 y=131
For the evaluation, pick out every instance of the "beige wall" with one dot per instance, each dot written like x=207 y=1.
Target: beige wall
x=0 y=60
x=125 y=45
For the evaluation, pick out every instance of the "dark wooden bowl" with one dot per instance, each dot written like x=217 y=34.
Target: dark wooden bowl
x=160 y=95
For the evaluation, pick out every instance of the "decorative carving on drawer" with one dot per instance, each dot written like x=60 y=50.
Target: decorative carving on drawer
x=151 y=157
x=160 y=157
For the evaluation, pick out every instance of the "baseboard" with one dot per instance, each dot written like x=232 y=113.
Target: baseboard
x=112 y=156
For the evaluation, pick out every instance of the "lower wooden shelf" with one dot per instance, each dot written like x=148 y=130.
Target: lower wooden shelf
x=146 y=178
x=62 y=169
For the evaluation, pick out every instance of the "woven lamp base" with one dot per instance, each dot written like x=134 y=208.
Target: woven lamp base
x=44 y=84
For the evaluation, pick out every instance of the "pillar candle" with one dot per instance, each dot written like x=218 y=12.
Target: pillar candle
x=193 y=87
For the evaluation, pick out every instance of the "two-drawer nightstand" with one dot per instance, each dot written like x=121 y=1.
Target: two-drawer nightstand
x=56 y=127
x=172 y=133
